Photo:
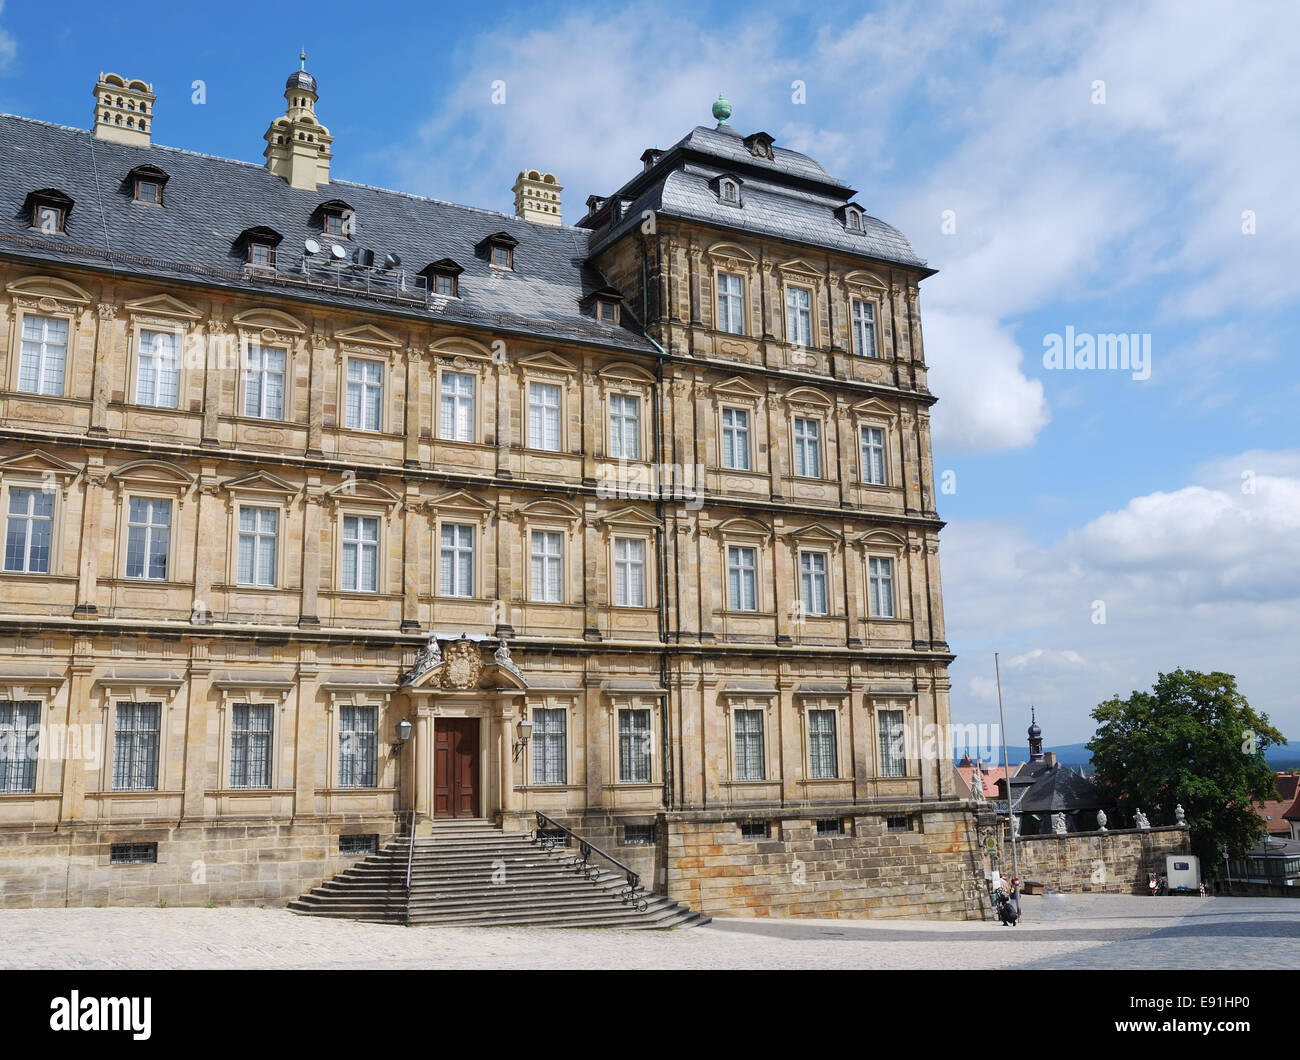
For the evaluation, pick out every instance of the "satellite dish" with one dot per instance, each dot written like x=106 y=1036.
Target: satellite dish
x=311 y=246
x=338 y=252
x=391 y=261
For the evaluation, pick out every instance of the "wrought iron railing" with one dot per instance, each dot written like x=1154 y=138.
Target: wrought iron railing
x=410 y=861
x=632 y=894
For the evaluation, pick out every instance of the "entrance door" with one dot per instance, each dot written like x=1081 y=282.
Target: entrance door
x=455 y=771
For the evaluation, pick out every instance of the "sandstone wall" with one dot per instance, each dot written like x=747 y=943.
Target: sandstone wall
x=1117 y=862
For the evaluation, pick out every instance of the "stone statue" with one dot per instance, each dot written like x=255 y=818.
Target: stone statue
x=1101 y=820
x=1180 y=815
x=977 y=782
x=1058 y=823
x=430 y=657
x=502 y=656
x=1015 y=824
x=1142 y=821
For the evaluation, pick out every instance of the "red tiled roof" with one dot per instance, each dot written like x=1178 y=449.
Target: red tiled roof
x=1277 y=811
x=992 y=774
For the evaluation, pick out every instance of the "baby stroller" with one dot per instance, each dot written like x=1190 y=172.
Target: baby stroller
x=1006 y=903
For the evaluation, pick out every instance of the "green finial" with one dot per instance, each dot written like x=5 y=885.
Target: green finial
x=302 y=58
x=721 y=109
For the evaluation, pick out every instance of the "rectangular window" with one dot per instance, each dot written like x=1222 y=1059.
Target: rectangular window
x=264 y=383
x=807 y=448
x=456 y=407
x=624 y=427
x=261 y=254
x=749 y=745
x=634 y=746
x=365 y=396
x=358 y=846
x=456 y=560
x=148 y=191
x=250 y=745
x=821 y=745
x=358 y=747
x=258 y=537
x=148 y=538
x=44 y=355
x=361 y=553
x=754 y=830
x=444 y=284
x=49 y=219
x=135 y=746
x=333 y=224
x=501 y=256
x=629 y=572
x=639 y=835
x=893 y=762
x=830 y=826
x=158 y=370
x=901 y=823
x=133 y=854
x=19 y=746
x=798 y=316
x=544 y=416
x=882 y=587
x=864 y=328
x=873 y=456
x=735 y=439
x=547 y=566
x=742 y=578
x=812 y=574
x=731 y=303
x=29 y=531
x=548 y=746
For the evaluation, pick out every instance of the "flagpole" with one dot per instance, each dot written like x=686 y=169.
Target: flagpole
x=1006 y=770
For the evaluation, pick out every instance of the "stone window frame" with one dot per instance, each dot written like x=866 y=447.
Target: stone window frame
x=34 y=470
x=479 y=373
x=626 y=380
x=553 y=371
x=166 y=314
x=367 y=500
x=461 y=509
x=747 y=533
x=240 y=692
x=162 y=690
x=385 y=391
x=873 y=413
x=271 y=329
x=47 y=296
x=736 y=393
x=898 y=701
x=766 y=703
x=816 y=537
x=885 y=544
x=371 y=344
x=616 y=702
x=258 y=490
x=734 y=260
x=345 y=694
x=18 y=688
x=177 y=487
x=839 y=703
x=567 y=702
x=553 y=517
x=809 y=403
x=864 y=286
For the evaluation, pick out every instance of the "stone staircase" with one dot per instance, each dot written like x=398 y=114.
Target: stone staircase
x=471 y=873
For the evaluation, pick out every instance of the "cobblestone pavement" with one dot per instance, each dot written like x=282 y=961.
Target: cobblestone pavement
x=1058 y=931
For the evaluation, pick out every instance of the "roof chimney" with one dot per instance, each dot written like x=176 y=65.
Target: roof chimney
x=537 y=197
x=1049 y=759
x=123 y=110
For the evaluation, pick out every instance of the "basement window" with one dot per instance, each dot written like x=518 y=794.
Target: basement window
x=639 y=835
x=902 y=823
x=830 y=826
x=133 y=854
x=553 y=837
x=754 y=830
x=355 y=846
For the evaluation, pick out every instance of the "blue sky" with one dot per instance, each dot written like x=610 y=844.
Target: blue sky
x=1168 y=209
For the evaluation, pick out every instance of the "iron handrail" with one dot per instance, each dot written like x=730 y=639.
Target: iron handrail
x=410 y=859
x=633 y=893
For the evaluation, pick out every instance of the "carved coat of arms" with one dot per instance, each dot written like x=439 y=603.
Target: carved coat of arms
x=463 y=666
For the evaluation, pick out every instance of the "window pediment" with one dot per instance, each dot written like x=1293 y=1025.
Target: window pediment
x=38 y=287
x=268 y=320
x=798 y=267
x=41 y=465
x=742 y=528
x=460 y=346
x=547 y=362
x=260 y=482
x=461 y=504
x=544 y=509
x=352 y=491
x=155 y=474
x=622 y=372
x=731 y=253
x=816 y=533
x=630 y=517
x=163 y=305
x=863 y=278
x=806 y=395
x=736 y=387
x=368 y=335
x=883 y=539
x=873 y=407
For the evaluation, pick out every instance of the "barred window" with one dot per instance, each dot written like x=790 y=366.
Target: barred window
x=355 y=846
x=749 y=745
x=882 y=587
x=456 y=407
x=629 y=572
x=29 y=531
x=264 y=383
x=735 y=439
x=902 y=823
x=44 y=355
x=547 y=566
x=358 y=747
x=873 y=456
x=361 y=553
x=634 y=742
x=544 y=416
x=19 y=745
x=624 y=427
x=148 y=538
x=135 y=746
x=731 y=303
x=893 y=762
x=250 y=746
x=158 y=370
x=365 y=395
x=807 y=448
x=742 y=578
x=549 y=766
x=864 y=328
x=821 y=745
x=132 y=853
x=754 y=830
x=830 y=826
x=812 y=573
x=258 y=534
x=639 y=835
x=456 y=560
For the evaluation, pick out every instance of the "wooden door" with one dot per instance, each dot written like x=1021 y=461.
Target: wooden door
x=455 y=780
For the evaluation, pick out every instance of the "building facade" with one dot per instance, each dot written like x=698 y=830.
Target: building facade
x=632 y=521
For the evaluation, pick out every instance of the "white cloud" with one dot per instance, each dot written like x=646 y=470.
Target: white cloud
x=8 y=46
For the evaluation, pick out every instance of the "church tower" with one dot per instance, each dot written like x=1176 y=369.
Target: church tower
x=1035 y=738
x=297 y=145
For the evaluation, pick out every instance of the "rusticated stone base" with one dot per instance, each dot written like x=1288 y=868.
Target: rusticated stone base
x=235 y=863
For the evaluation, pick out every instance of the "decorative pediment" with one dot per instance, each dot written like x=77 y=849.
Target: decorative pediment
x=630 y=517
x=152 y=473
x=268 y=320
x=462 y=504
x=624 y=371
x=38 y=287
x=462 y=666
x=737 y=387
x=548 y=509
x=260 y=482
x=741 y=527
x=866 y=279
x=800 y=266
x=163 y=305
x=883 y=539
x=814 y=532
x=731 y=252
x=460 y=346
x=357 y=491
x=547 y=362
x=807 y=395
x=368 y=335
x=874 y=407
x=38 y=464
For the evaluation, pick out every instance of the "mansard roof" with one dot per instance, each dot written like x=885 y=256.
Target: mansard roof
x=210 y=201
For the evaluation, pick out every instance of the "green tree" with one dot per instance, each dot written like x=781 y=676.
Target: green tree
x=1193 y=739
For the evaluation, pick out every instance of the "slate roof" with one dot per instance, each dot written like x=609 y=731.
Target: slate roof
x=209 y=201
x=790 y=197
x=1059 y=790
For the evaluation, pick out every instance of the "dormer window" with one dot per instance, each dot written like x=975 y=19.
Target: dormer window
x=261 y=254
x=149 y=191
x=605 y=304
x=258 y=246
x=760 y=146
x=443 y=278
x=730 y=191
x=48 y=211
x=333 y=224
x=727 y=188
x=850 y=217
x=607 y=310
x=335 y=218
x=499 y=249
x=146 y=184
